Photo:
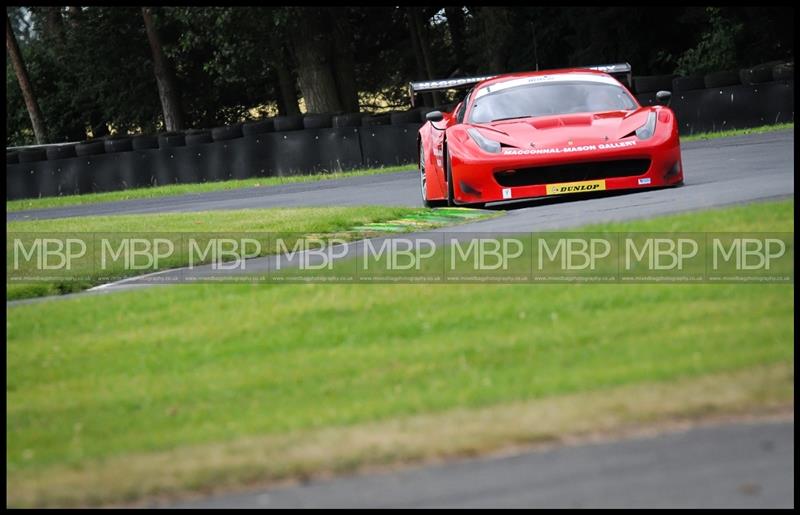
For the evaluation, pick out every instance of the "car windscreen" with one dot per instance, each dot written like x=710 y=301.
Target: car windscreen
x=546 y=99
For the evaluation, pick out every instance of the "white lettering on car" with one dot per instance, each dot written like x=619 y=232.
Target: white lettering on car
x=566 y=150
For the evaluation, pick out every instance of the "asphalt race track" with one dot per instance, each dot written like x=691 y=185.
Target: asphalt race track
x=718 y=172
x=727 y=466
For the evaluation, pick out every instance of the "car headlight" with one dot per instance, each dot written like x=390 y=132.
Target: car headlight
x=649 y=128
x=485 y=143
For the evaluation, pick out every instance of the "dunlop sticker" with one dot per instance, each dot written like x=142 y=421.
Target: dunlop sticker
x=575 y=187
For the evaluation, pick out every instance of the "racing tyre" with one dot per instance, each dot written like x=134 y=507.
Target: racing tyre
x=423 y=183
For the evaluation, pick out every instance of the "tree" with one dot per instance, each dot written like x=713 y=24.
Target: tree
x=21 y=72
x=343 y=61
x=241 y=56
x=93 y=68
x=312 y=51
x=167 y=89
x=497 y=28
x=455 y=24
x=53 y=22
x=105 y=73
x=287 y=100
x=420 y=44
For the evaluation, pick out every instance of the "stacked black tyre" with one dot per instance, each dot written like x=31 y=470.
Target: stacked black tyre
x=60 y=152
x=144 y=142
x=288 y=123
x=757 y=74
x=783 y=71
x=690 y=83
x=381 y=119
x=411 y=116
x=653 y=83
x=198 y=137
x=114 y=144
x=318 y=121
x=32 y=155
x=227 y=132
x=722 y=79
x=258 y=127
x=171 y=140
x=342 y=121
x=90 y=148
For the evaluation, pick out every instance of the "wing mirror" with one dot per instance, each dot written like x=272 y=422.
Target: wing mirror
x=434 y=116
x=662 y=97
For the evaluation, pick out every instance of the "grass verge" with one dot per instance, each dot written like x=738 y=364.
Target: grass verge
x=287 y=223
x=168 y=390
x=738 y=132
x=182 y=189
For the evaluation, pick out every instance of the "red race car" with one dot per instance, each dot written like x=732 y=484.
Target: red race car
x=554 y=132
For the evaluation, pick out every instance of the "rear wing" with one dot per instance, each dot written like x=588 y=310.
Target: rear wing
x=439 y=85
x=620 y=71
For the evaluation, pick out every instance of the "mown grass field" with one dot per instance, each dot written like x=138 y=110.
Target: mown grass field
x=165 y=391
x=180 y=189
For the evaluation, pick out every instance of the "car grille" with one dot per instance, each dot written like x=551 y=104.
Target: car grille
x=571 y=172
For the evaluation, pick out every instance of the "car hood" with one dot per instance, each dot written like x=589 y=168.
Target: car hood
x=568 y=129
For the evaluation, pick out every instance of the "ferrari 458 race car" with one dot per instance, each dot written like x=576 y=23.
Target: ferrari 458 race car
x=554 y=132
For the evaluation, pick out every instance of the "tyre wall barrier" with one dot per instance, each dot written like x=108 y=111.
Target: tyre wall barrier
x=174 y=158
x=734 y=107
x=389 y=145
